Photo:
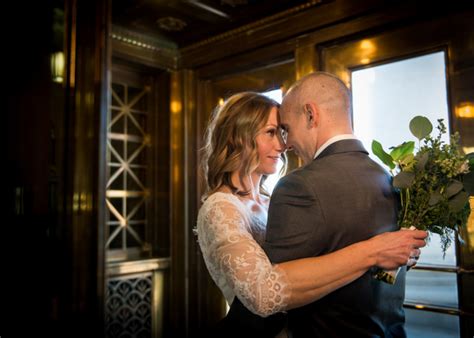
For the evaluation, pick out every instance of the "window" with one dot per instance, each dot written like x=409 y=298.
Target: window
x=385 y=99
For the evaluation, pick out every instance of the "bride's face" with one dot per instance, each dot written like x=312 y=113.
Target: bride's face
x=269 y=145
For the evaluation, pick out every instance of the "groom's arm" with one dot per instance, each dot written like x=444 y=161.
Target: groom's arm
x=294 y=218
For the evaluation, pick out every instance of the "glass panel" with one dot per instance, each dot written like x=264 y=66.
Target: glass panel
x=431 y=287
x=422 y=324
x=274 y=94
x=387 y=97
x=432 y=254
x=272 y=180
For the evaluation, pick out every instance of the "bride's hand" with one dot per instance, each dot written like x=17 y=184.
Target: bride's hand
x=394 y=249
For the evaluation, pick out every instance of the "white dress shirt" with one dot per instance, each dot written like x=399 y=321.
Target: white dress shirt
x=333 y=140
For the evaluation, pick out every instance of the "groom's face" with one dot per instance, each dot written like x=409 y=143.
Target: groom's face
x=293 y=121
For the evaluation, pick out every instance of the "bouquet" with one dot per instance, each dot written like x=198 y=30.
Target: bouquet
x=432 y=182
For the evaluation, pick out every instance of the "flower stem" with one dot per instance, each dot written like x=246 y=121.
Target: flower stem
x=407 y=202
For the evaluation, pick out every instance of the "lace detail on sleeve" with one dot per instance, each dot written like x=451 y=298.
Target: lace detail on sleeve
x=235 y=261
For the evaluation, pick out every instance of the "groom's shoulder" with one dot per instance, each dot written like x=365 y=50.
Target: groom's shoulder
x=314 y=170
x=298 y=181
x=297 y=175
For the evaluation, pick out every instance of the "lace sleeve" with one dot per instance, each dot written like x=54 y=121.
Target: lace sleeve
x=233 y=257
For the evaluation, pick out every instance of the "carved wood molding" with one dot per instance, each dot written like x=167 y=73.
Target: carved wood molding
x=254 y=25
x=143 y=49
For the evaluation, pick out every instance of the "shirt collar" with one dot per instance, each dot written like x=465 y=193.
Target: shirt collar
x=333 y=140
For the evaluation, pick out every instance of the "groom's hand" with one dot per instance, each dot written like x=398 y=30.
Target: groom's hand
x=395 y=249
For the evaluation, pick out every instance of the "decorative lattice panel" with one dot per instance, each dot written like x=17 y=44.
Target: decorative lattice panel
x=129 y=307
x=127 y=157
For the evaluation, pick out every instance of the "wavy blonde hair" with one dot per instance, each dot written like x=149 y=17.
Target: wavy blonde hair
x=230 y=143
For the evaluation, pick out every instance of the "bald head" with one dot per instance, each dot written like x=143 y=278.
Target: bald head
x=315 y=109
x=327 y=91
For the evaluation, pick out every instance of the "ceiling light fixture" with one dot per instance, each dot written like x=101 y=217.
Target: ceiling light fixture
x=171 y=24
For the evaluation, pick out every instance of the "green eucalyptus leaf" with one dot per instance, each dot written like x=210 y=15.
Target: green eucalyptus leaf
x=453 y=188
x=435 y=197
x=470 y=158
x=403 y=180
x=458 y=202
x=378 y=151
x=420 y=127
x=402 y=150
x=421 y=161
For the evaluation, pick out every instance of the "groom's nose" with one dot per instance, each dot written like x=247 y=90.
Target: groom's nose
x=281 y=145
x=281 y=148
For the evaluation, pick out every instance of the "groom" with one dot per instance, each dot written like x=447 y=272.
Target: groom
x=338 y=198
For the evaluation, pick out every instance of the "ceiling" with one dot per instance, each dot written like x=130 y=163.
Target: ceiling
x=180 y=23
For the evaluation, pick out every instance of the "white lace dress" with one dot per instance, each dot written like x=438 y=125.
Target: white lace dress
x=230 y=236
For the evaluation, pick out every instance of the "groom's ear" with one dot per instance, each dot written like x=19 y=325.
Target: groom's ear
x=312 y=115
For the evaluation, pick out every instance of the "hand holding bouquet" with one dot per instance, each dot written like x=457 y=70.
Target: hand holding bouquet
x=431 y=182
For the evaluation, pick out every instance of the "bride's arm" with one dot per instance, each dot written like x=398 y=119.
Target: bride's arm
x=313 y=278
x=231 y=253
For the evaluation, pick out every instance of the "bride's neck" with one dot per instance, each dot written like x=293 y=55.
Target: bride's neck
x=249 y=183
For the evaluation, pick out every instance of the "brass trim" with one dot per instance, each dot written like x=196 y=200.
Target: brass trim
x=305 y=60
x=125 y=137
x=157 y=303
x=142 y=41
x=432 y=308
x=441 y=268
x=438 y=309
x=182 y=216
x=146 y=265
x=125 y=193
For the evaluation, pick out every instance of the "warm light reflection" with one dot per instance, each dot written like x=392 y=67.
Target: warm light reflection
x=57 y=67
x=75 y=202
x=146 y=193
x=465 y=110
x=366 y=50
x=82 y=202
x=176 y=174
x=175 y=106
x=468 y=150
x=470 y=225
x=89 y=98
x=221 y=101
x=345 y=76
x=367 y=45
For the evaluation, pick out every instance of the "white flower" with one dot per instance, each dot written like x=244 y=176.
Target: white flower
x=464 y=168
